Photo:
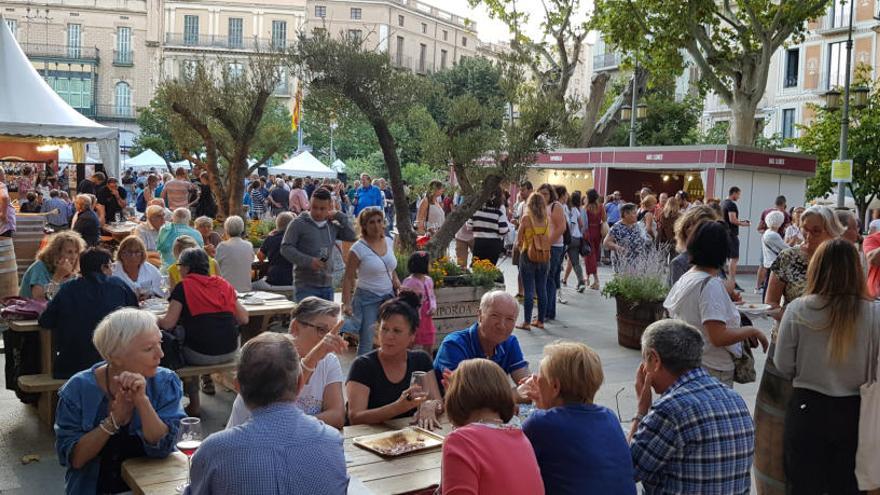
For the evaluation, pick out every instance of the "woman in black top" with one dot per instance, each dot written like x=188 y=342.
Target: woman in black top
x=378 y=386
x=209 y=311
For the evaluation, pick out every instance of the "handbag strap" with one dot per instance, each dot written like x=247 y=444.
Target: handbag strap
x=387 y=269
x=874 y=344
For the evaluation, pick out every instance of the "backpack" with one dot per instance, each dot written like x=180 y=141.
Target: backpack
x=538 y=249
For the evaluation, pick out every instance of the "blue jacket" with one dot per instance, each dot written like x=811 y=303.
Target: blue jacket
x=82 y=405
x=368 y=197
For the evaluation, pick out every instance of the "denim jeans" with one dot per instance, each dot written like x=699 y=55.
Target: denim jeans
x=321 y=292
x=553 y=273
x=365 y=306
x=534 y=279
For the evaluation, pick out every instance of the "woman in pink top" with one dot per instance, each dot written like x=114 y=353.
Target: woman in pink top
x=484 y=454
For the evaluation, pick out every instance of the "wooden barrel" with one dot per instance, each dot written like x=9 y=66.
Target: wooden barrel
x=8 y=269
x=28 y=236
x=774 y=393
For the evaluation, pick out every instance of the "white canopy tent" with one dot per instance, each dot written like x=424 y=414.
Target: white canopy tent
x=182 y=163
x=29 y=108
x=65 y=155
x=146 y=160
x=304 y=165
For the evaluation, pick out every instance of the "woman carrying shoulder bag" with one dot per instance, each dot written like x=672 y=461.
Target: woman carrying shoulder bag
x=534 y=222
x=823 y=344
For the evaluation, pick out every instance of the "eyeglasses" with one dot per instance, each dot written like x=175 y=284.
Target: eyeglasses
x=319 y=328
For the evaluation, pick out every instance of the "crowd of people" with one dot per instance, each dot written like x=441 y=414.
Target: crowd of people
x=697 y=436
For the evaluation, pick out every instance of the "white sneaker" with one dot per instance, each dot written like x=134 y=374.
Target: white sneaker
x=559 y=298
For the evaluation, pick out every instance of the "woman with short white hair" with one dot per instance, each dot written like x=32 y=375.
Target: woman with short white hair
x=170 y=231
x=235 y=255
x=123 y=407
x=771 y=242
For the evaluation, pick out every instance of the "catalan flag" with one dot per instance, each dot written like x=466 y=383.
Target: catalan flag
x=296 y=115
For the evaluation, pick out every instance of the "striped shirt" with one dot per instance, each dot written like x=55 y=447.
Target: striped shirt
x=488 y=223
x=698 y=439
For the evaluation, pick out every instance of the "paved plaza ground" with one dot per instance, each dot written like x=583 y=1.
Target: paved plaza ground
x=587 y=317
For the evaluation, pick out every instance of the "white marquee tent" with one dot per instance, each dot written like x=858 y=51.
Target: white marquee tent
x=65 y=155
x=146 y=160
x=30 y=109
x=304 y=165
x=338 y=166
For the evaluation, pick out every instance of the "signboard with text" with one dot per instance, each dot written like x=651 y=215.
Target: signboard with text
x=841 y=170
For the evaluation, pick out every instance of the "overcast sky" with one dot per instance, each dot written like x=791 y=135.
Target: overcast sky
x=489 y=29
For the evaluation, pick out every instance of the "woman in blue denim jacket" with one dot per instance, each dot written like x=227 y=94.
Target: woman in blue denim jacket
x=123 y=407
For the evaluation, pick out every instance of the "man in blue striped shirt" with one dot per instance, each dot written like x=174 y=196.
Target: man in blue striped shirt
x=58 y=220
x=280 y=450
x=698 y=438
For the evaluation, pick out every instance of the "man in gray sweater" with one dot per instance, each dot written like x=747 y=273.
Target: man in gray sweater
x=309 y=242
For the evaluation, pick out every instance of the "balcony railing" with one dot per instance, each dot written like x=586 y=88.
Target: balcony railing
x=64 y=52
x=110 y=112
x=606 y=61
x=216 y=42
x=123 y=58
x=830 y=24
x=402 y=62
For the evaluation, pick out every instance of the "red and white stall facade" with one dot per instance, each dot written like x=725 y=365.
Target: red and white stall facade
x=705 y=172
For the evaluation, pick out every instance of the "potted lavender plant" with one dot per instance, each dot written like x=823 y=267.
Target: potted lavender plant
x=639 y=286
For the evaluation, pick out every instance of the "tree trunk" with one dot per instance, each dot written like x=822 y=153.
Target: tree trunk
x=440 y=241
x=742 y=124
x=406 y=234
x=606 y=125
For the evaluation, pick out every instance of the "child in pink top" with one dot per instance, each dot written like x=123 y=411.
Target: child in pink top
x=420 y=283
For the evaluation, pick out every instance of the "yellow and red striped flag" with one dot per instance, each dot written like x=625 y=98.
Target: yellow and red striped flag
x=297 y=109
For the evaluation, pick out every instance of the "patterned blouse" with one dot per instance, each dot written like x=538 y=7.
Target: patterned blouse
x=790 y=268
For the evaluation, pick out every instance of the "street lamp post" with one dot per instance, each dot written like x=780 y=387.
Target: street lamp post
x=333 y=126
x=844 y=120
x=633 y=117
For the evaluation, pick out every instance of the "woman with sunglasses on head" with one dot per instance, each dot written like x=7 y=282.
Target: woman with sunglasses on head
x=315 y=328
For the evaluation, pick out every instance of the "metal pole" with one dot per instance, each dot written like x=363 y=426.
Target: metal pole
x=635 y=97
x=844 y=121
x=332 y=153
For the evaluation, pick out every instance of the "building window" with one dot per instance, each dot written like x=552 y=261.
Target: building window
x=443 y=55
x=836 y=65
x=13 y=26
x=123 y=45
x=423 y=54
x=77 y=92
x=792 y=58
x=282 y=87
x=355 y=35
x=445 y=35
x=123 y=99
x=838 y=14
x=400 y=20
x=399 y=54
x=236 y=32
x=74 y=40
x=463 y=41
x=190 y=29
x=318 y=32
x=279 y=35
x=356 y=13
x=320 y=11
x=235 y=70
x=188 y=69
x=424 y=28
x=788 y=123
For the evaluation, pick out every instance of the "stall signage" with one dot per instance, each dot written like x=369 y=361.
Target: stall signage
x=841 y=170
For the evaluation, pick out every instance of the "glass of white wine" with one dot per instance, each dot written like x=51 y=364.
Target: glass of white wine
x=189 y=439
x=419 y=379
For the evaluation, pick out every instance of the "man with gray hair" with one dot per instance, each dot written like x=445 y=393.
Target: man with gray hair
x=87 y=223
x=281 y=449
x=171 y=231
x=849 y=221
x=698 y=437
x=491 y=337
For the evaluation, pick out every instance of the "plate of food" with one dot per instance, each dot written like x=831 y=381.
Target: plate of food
x=754 y=308
x=401 y=442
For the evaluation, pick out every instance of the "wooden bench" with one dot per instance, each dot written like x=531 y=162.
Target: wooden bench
x=48 y=387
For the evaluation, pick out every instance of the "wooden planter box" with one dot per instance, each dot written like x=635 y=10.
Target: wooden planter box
x=633 y=318
x=457 y=309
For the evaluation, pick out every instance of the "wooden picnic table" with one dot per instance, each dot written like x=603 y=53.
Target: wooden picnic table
x=263 y=311
x=404 y=474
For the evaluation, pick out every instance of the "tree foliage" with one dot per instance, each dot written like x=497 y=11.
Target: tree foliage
x=822 y=139
x=669 y=121
x=546 y=66
x=731 y=42
x=219 y=118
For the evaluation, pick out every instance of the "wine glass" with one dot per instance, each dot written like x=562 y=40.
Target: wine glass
x=419 y=379
x=165 y=284
x=189 y=439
